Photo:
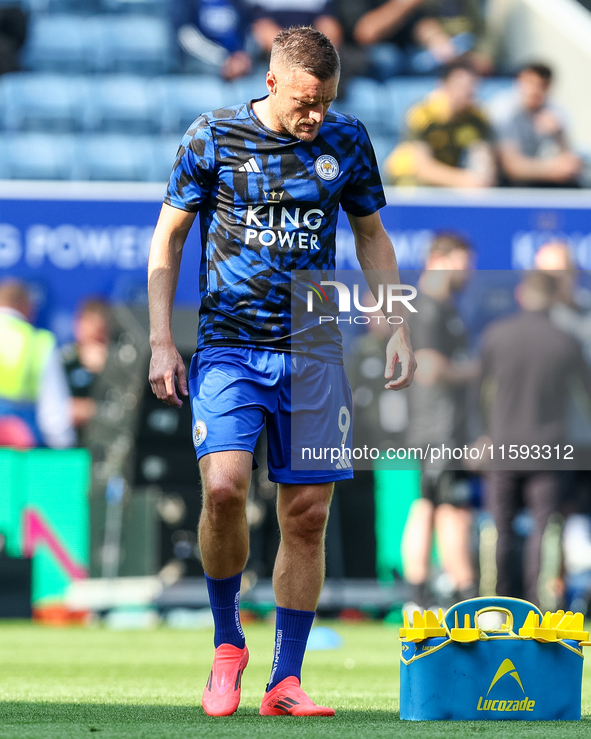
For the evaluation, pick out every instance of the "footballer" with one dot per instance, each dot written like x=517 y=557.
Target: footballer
x=267 y=178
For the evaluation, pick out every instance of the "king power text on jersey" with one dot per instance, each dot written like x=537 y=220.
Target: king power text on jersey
x=268 y=222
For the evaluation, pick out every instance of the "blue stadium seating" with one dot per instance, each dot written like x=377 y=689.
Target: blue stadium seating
x=118 y=43
x=115 y=157
x=45 y=102
x=124 y=113
x=365 y=100
x=245 y=88
x=121 y=103
x=4 y=158
x=61 y=43
x=79 y=7
x=151 y=7
x=133 y=43
x=182 y=98
x=163 y=155
x=383 y=145
x=37 y=156
x=491 y=87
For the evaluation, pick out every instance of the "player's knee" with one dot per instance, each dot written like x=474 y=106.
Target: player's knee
x=224 y=498
x=310 y=522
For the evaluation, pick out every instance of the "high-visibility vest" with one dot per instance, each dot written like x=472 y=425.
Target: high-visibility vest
x=24 y=351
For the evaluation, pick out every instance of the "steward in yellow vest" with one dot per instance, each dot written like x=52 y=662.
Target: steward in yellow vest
x=25 y=352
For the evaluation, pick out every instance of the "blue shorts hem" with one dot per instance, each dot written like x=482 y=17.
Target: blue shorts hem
x=295 y=478
x=223 y=448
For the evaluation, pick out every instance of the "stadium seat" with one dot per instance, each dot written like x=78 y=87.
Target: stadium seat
x=244 y=89
x=121 y=103
x=491 y=87
x=60 y=43
x=37 y=156
x=44 y=102
x=115 y=157
x=365 y=100
x=401 y=94
x=151 y=7
x=4 y=158
x=133 y=43
x=163 y=157
x=383 y=145
x=181 y=99
x=78 y=7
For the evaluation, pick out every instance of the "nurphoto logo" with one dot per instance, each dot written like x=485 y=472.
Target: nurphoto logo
x=387 y=296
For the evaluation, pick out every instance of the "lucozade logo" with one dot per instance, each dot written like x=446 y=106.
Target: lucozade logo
x=525 y=704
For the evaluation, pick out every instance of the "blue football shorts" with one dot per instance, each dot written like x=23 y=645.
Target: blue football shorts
x=304 y=403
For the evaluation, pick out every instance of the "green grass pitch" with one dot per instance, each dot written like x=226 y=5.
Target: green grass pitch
x=70 y=683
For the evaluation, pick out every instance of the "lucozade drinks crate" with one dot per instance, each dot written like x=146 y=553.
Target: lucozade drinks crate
x=528 y=668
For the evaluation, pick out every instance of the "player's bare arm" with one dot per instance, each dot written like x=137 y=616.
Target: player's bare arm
x=166 y=366
x=376 y=253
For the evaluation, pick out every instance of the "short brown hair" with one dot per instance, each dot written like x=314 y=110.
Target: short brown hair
x=447 y=241
x=461 y=65
x=96 y=306
x=306 y=48
x=15 y=294
x=542 y=70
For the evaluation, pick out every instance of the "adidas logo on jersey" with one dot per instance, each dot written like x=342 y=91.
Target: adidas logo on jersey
x=250 y=166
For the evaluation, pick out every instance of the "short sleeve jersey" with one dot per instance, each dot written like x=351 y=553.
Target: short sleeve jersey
x=268 y=205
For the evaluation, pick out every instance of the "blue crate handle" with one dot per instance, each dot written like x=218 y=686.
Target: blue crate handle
x=515 y=608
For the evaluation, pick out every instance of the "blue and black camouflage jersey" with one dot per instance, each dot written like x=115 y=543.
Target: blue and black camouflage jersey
x=268 y=205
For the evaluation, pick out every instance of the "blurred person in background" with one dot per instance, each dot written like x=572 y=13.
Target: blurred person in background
x=34 y=396
x=571 y=309
x=212 y=36
x=379 y=35
x=402 y=36
x=527 y=366
x=531 y=132
x=270 y=17
x=437 y=415
x=448 y=138
x=571 y=312
x=13 y=33
x=449 y=29
x=377 y=412
x=85 y=358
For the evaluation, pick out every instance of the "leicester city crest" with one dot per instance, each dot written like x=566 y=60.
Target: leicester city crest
x=327 y=167
x=199 y=433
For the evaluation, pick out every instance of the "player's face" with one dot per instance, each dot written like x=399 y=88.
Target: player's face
x=299 y=101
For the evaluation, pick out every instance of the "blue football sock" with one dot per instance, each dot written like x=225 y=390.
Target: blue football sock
x=224 y=597
x=291 y=636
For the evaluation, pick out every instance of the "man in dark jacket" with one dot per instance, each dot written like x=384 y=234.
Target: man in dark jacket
x=527 y=364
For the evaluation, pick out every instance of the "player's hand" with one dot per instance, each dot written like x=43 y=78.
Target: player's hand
x=399 y=351
x=166 y=367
